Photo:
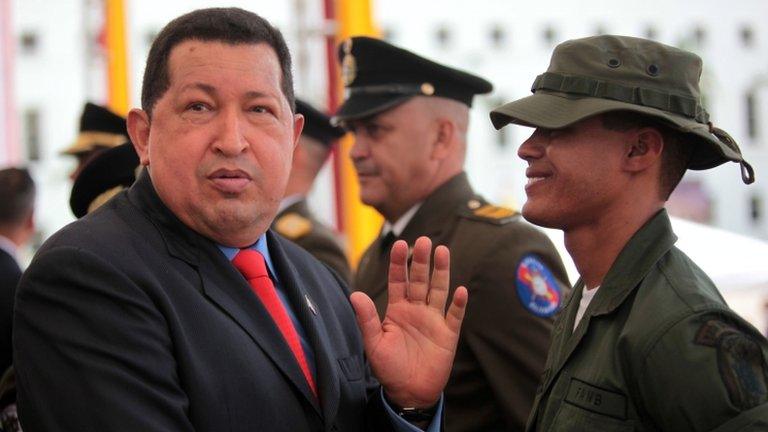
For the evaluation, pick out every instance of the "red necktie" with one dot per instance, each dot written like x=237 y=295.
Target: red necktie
x=251 y=264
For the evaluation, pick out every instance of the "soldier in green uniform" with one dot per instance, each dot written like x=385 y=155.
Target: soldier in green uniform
x=294 y=219
x=410 y=118
x=646 y=342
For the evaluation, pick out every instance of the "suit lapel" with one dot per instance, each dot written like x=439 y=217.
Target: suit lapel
x=227 y=288
x=301 y=295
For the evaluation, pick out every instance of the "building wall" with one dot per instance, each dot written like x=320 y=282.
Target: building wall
x=59 y=67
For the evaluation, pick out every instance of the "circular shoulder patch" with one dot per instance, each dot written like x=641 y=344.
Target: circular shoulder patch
x=537 y=288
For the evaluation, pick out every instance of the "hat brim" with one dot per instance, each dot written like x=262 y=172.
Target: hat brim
x=556 y=111
x=358 y=107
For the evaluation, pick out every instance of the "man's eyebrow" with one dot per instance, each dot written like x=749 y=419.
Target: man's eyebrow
x=257 y=94
x=209 y=89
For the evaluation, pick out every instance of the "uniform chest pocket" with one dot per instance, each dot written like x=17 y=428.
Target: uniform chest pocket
x=590 y=408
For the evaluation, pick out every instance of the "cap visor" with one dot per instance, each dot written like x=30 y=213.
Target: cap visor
x=358 y=107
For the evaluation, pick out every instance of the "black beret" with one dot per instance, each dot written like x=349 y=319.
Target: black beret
x=318 y=125
x=378 y=76
x=109 y=169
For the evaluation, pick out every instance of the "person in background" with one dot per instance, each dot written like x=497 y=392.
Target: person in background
x=646 y=342
x=410 y=118
x=107 y=174
x=294 y=219
x=100 y=129
x=17 y=225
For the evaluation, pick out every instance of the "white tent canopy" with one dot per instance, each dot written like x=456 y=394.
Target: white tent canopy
x=737 y=264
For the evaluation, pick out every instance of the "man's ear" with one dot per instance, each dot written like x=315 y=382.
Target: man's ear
x=444 y=139
x=138 y=129
x=298 y=126
x=643 y=149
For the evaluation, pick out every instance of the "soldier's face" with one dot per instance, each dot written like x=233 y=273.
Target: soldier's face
x=220 y=140
x=392 y=156
x=574 y=174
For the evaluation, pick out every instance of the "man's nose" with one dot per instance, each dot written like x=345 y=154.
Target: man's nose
x=533 y=147
x=230 y=140
x=360 y=148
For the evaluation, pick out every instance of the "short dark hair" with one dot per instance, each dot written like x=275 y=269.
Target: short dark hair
x=17 y=195
x=232 y=26
x=677 y=151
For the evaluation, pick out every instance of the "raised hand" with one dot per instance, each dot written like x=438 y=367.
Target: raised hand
x=411 y=352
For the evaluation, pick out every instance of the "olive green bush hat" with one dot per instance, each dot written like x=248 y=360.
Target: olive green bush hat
x=606 y=73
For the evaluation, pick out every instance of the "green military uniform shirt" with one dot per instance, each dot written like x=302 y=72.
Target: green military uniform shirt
x=656 y=350
x=502 y=347
x=297 y=223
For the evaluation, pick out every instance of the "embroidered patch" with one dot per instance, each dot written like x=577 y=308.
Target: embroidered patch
x=537 y=288
x=739 y=360
x=293 y=226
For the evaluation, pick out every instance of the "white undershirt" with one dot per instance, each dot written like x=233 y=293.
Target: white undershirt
x=398 y=227
x=586 y=297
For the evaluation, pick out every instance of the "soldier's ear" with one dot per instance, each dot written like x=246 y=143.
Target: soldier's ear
x=643 y=149
x=444 y=139
x=138 y=129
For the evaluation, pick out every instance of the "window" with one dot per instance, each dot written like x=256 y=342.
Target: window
x=443 y=36
x=751 y=106
x=549 y=35
x=747 y=36
x=498 y=36
x=28 y=42
x=651 y=32
x=31 y=130
x=756 y=208
x=699 y=36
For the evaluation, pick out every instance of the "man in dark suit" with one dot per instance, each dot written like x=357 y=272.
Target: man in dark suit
x=294 y=219
x=174 y=308
x=410 y=117
x=17 y=202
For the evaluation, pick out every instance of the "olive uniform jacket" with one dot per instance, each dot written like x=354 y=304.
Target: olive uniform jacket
x=502 y=347
x=297 y=223
x=127 y=320
x=656 y=350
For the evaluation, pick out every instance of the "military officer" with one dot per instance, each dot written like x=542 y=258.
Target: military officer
x=294 y=219
x=646 y=342
x=100 y=129
x=410 y=117
x=103 y=177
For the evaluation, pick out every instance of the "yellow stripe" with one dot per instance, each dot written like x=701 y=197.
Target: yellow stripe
x=117 y=57
x=361 y=223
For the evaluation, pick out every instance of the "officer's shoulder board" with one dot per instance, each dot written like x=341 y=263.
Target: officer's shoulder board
x=293 y=226
x=476 y=209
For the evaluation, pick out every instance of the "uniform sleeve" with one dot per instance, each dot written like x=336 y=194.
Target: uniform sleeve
x=93 y=352
x=707 y=372
x=508 y=337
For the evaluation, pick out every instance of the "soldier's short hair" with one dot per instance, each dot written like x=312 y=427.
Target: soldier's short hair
x=17 y=195
x=677 y=151
x=232 y=26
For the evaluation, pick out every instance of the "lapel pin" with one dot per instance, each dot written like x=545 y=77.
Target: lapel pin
x=310 y=304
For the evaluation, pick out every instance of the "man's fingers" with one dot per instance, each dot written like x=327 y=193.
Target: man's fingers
x=418 y=283
x=398 y=272
x=367 y=319
x=455 y=314
x=438 y=290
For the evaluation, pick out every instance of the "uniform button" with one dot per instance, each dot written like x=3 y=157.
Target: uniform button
x=473 y=204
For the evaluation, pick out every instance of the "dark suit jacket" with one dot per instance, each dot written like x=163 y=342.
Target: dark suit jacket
x=502 y=347
x=297 y=223
x=9 y=278
x=127 y=320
